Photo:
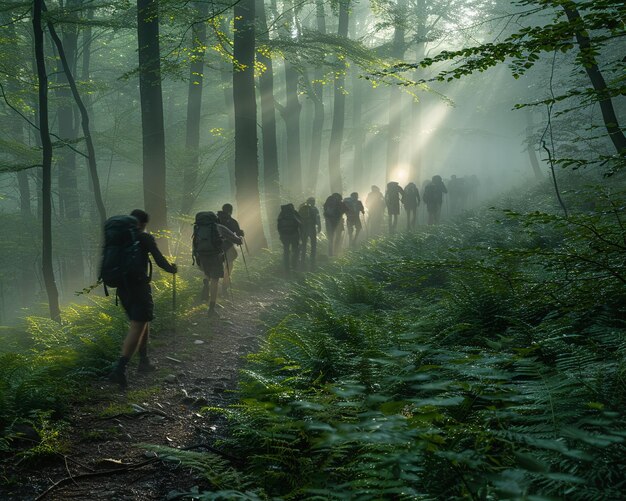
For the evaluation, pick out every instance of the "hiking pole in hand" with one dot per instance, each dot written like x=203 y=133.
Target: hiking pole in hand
x=174 y=307
x=246 y=244
x=230 y=281
x=243 y=255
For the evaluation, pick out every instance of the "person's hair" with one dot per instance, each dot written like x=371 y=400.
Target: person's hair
x=375 y=188
x=141 y=216
x=310 y=201
x=227 y=208
x=354 y=194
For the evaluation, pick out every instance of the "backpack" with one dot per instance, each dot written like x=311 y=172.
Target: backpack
x=122 y=262
x=288 y=221
x=353 y=208
x=206 y=239
x=332 y=209
x=307 y=216
x=393 y=192
x=429 y=194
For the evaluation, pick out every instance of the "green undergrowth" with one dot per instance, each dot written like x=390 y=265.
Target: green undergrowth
x=481 y=359
x=45 y=366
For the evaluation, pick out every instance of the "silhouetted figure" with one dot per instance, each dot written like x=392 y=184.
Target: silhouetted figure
x=375 y=203
x=392 y=199
x=135 y=295
x=433 y=198
x=353 y=217
x=410 y=202
x=458 y=193
x=289 y=227
x=334 y=209
x=225 y=218
x=311 y=226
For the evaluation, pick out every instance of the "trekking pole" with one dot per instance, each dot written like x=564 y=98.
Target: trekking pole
x=243 y=255
x=246 y=244
x=230 y=287
x=174 y=307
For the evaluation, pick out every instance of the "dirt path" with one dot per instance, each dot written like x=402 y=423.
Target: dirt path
x=161 y=408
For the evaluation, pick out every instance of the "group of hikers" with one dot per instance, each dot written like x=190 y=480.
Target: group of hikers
x=126 y=264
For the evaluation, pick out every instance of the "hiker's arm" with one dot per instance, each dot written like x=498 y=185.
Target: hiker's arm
x=159 y=258
x=228 y=235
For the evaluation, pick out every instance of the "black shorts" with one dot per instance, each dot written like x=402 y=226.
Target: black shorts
x=212 y=265
x=137 y=301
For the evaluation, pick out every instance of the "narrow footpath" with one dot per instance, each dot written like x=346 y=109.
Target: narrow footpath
x=104 y=459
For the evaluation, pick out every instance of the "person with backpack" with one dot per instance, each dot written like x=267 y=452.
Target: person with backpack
x=128 y=248
x=334 y=209
x=375 y=203
x=289 y=227
x=410 y=202
x=353 y=217
x=433 y=198
x=311 y=226
x=225 y=218
x=207 y=243
x=392 y=200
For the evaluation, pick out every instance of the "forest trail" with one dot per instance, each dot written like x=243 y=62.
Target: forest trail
x=162 y=408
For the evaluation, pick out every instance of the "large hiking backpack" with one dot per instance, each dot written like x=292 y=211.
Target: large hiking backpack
x=430 y=194
x=353 y=208
x=393 y=192
x=288 y=221
x=206 y=239
x=122 y=262
x=307 y=216
x=332 y=208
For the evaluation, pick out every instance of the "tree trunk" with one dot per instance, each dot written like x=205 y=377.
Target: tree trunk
x=152 y=125
x=246 y=160
x=46 y=197
x=317 y=96
x=358 y=131
x=339 y=107
x=194 y=107
x=532 y=156
x=588 y=59
x=227 y=83
x=415 y=164
x=271 y=177
x=395 y=96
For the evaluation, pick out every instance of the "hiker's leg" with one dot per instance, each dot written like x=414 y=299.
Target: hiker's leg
x=331 y=237
x=313 y=237
x=295 y=252
x=143 y=342
x=135 y=331
x=303 y=243
x=285 y=243
x=213 y=285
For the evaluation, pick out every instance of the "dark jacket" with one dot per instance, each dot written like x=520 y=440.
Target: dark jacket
x=231 y=223
x=148 y=246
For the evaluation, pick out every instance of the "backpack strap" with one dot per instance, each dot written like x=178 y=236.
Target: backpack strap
x=150 y=272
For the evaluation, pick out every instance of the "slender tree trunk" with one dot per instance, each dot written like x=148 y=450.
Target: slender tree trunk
x=415 y=165
x=246 y=159
x=587 y=57
x=532 y=156
x=154 y=170
x=395 y=95
x=292 y=109
x=339 y=107
x=194 y=106
x=358 y=131
x=227 y=88
x=317 y=96
x=46 y=197
x=271 y=178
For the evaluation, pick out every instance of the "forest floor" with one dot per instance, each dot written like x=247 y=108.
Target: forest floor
x=103 y=456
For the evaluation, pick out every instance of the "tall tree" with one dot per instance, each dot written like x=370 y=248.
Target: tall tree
x=395 y=94
x=339 y=107
x=46 y=194
x=292 y=109
x=271 y=178
x=194 y=106
x=316 y=93
x=154 y=168
x=246 y=159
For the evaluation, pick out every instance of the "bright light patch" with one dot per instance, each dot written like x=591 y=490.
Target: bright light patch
x=400 y=174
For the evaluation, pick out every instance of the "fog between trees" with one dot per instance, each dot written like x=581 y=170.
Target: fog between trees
x=192 y=105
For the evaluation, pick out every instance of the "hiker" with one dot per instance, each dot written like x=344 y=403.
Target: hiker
x=433 y=198
x=311 y=226
x=392 y=200
x=334 y=209
x=458 y=192
x=375 y=203
x=410 y=202
x=353 y=217
x=225 y=218
x=207 y=243
x=289 y=228
x=135 y=295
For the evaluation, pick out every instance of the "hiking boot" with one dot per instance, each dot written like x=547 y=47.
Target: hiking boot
x=145 y=366
x=118 y=376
